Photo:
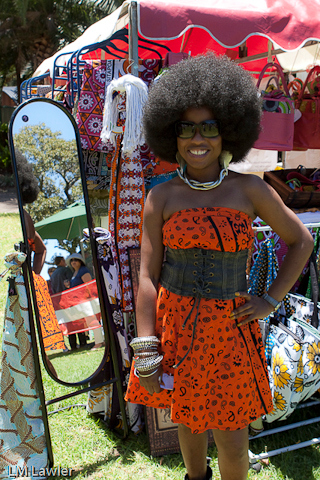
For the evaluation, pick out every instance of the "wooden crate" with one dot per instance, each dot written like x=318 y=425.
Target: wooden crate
x=292 y=198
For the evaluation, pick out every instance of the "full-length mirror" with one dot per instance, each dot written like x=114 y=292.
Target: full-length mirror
x=45 y=151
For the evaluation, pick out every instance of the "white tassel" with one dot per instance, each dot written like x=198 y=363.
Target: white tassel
x=136 y=96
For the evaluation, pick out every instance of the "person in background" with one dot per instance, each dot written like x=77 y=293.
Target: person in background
x=81 y=274
x=29 y=190
x=61 y=273
x=196 y=321
x=50 y=272
x=60 y=280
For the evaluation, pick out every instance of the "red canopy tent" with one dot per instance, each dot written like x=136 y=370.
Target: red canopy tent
x=249 y=31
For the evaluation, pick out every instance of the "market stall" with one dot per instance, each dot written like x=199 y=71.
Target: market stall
x=143 y=38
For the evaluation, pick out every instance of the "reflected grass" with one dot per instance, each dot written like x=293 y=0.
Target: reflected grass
x=76 y=365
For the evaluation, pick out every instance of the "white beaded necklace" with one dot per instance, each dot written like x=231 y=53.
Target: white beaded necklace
x=198 y=185
x=225 y=159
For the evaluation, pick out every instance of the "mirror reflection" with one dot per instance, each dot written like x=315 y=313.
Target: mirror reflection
x=46 y=155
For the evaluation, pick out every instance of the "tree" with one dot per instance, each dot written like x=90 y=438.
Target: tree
x=56 y=166
x=33 y=30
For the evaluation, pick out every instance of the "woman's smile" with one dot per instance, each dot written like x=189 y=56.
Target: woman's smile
x=198 y=152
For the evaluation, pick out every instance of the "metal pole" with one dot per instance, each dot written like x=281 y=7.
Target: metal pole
x=133 y=39
x=255 y=458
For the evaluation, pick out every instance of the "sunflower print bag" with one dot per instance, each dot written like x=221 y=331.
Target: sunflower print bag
x=292 y=346
x=294 y=369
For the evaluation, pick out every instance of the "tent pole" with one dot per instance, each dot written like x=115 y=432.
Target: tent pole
x=133 y=39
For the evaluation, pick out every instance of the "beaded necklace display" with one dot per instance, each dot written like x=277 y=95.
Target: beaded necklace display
x=225 y=159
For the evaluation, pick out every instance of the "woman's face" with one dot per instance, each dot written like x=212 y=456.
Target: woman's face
x=75 y=263
x=199 y=152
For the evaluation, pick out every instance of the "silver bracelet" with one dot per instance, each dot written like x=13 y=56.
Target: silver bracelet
x=146 y=366
x=144 y=342
x=272 y=301
x=146 y=354
x=148 y=374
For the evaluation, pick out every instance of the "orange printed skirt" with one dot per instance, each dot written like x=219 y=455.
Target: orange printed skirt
x=223 y=382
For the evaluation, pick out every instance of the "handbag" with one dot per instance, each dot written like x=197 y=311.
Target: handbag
x=277 y=122
x=306 y=308
x=292 y=347
x=307 y=127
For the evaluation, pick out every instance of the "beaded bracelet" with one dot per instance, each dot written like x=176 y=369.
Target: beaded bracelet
x=152 y=363
x=146 y=360
x=146 y=354
x=144 y=342
x=146 y=349
x=148 y=374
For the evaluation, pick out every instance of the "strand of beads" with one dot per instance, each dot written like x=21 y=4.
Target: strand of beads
x=146 y=356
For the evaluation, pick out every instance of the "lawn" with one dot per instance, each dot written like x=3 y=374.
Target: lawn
x=84 y=444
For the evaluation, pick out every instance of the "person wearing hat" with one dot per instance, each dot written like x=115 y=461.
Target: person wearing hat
x=82 y=275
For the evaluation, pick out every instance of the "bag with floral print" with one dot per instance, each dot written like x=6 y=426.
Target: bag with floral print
x=294 y=367
x=292 y=346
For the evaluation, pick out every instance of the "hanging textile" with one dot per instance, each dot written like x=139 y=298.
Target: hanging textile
x=147 y=70
x=96 y=77
x=22 y=442
x=51 y=334
x=104 y=400
x=124 y=100
x=279 y=246
x=91 y=101
x=78 y=308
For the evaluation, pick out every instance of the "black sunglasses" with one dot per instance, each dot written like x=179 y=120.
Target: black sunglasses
x=207 y=129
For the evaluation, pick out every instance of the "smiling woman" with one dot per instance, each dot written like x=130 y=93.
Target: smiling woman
x=201 y=326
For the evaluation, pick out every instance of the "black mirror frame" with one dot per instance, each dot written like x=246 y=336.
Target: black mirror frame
x=25 y=238
x=109 y=341
x=92 y=242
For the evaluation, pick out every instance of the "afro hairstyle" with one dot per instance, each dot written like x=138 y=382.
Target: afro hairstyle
x=203 y=81
x=28 y=183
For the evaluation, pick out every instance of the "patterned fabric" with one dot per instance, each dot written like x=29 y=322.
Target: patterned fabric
x=279 y=246
x=148 y=69
x=127 y=196
x=91 y=101
x=51 y=333
x=263 y=271
x=294 y=366
x=223 y=383
x=102 y=400
x=95 y=78
x=262 y=275
x=22 y=439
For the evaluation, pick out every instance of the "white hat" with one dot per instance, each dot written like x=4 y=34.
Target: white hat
x=77 y=256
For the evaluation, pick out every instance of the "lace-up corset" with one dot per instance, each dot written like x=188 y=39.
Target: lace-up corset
x=203 y=273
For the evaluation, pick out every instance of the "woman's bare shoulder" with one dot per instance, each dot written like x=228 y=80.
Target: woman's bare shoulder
x=159 y=194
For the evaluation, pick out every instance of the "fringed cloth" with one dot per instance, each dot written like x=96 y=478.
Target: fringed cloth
x=22 y=438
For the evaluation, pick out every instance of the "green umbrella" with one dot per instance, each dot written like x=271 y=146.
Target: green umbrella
x=64 y=225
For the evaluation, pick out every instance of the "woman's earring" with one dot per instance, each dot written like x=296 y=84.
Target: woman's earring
x=180 y=159
x=225 y=159
x=181 y=162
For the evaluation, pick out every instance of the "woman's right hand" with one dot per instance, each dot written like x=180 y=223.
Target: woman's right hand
x=152 y=383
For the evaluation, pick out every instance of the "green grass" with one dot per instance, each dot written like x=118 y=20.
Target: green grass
x=83 y=443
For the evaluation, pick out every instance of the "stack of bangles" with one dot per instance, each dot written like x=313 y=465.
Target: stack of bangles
x=146 y=355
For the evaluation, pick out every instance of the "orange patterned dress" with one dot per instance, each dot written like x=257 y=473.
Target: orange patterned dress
x=223 y=382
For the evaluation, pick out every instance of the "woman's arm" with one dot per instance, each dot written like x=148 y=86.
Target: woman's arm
x=86 y=277
x=150 y=268
x=40 y=250
x=268 y=205
x=39 y=254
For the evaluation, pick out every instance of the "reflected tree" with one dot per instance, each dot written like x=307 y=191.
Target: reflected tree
x=56 y=166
